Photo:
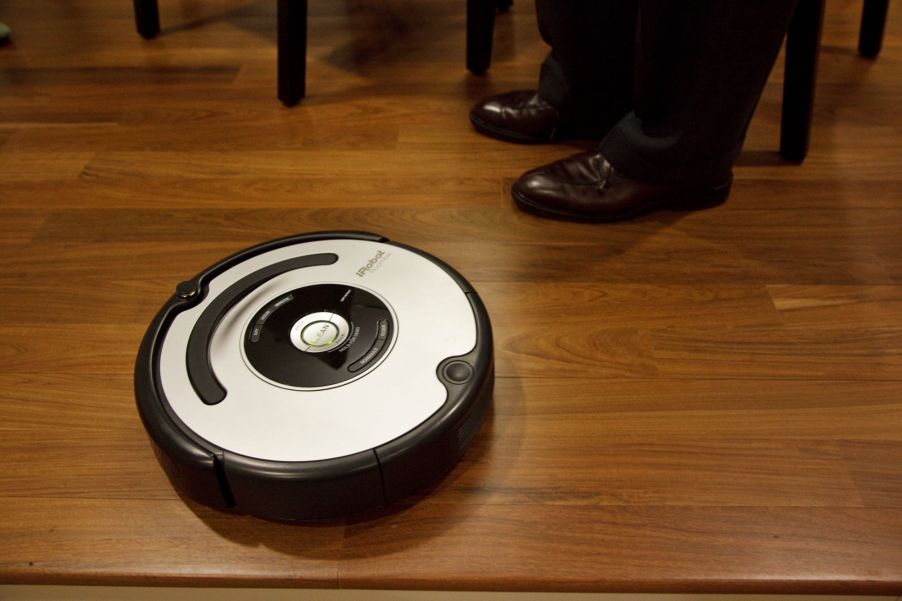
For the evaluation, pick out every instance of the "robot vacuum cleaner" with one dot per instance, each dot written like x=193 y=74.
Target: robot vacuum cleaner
x=316 y=376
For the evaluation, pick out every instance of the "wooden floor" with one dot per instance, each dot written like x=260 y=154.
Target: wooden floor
x=684 y=402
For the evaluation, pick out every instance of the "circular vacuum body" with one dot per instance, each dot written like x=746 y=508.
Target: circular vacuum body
x=315 y=376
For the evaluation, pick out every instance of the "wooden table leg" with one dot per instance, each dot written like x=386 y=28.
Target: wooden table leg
x=480 y=27
x=802 y=47
x=147 y=18
x=873 y=20
x=292 y=61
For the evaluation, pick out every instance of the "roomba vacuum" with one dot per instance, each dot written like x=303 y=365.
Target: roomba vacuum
x=315 y=376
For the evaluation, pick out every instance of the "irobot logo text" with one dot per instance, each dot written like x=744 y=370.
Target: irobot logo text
x=373 y=264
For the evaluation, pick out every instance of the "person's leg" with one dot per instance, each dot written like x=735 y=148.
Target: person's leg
x=585 y=83
x=588 y=74
x=701 y=67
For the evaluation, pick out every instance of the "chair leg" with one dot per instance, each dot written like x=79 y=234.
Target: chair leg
x=802 y=46
x=873 y=20
x=480 y=27
x=292 y=51
x=147 y=18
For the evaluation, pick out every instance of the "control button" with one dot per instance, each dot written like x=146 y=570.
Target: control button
x=186 y=290
x=284 y=300
x=458 y=372
x=320 y=333
x=382 y=329
x=368 y=357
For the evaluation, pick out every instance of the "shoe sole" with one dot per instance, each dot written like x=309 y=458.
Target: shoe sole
x=684 y=201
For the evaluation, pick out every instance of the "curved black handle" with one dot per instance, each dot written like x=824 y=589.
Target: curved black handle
x=200 y=372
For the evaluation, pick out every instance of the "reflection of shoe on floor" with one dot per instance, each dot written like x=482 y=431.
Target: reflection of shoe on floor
x=586 y=187
x=5 y=33
x=523 y=117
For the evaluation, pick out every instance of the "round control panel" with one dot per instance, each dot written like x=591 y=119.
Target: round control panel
x=318 y=336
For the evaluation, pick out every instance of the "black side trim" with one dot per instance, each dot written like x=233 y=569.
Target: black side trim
x=227 y=495
x=200 y=372
x=310 y=490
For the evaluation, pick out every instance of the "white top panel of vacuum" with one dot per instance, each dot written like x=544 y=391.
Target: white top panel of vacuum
x=321 y=361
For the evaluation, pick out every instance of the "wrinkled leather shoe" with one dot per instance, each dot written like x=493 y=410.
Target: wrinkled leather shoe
x=586 y=187
x=523 y=117
x=520 y=116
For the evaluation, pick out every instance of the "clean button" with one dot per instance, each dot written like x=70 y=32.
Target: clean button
x=320 y=333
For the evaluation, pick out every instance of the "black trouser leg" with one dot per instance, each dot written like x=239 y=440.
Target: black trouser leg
x=700 y=69
x=588 y=74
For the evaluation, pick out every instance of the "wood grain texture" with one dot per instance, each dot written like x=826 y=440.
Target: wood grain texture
x=706 y=402
x=628 y=549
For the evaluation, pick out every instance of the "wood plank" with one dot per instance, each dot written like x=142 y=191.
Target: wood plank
x=82 y=541
x=871 y=465
x=82 y=465
x=529 y=303
x=582 y=467
x=819 y=306
x=531 y=547
x=343 y=163
x=97 y=349
x=18 y=226
x=835 y=353
x=120 y=76
x=260 y=192
x=36 y=165
x=85 y=403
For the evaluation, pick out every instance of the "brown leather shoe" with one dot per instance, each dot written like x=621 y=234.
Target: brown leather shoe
x=586 y=187
x=523 y=117
x=520 y=116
